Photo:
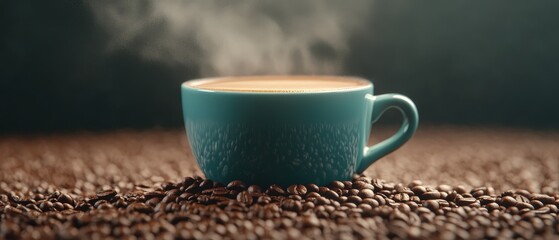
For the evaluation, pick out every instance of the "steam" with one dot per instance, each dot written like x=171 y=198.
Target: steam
x=236 y=37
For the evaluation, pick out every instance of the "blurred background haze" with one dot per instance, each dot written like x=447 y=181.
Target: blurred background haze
x=100 y=65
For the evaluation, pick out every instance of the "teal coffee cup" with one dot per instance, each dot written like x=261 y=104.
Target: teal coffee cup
x=288 y=129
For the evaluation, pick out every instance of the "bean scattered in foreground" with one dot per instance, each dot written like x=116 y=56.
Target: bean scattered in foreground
x=201 y=208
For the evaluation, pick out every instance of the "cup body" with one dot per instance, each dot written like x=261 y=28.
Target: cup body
x=277 y=137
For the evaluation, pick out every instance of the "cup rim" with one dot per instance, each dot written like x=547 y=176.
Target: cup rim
x=191 y=84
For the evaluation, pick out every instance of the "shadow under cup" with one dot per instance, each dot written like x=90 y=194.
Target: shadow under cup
x=281 y=137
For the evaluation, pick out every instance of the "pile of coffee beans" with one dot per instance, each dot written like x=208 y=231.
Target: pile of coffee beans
x=476 y=183
x=361 y=208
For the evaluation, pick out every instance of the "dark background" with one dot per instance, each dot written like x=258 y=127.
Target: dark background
x=462 y=62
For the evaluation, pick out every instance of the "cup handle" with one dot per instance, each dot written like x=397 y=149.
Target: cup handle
x=378 y=105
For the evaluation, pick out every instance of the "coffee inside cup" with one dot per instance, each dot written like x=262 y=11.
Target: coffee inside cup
x=280 y=84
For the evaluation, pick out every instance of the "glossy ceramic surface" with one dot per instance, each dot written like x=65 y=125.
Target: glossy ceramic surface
x=289 y=137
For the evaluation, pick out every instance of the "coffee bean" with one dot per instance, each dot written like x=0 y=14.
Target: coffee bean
x=295 y=197
x=331 y=194
x=275 y=190
x=236 y=185
x=153 y=201
x=46 y=206
x=521 y=199
x=444 y=188
x=199 y=208
x=552 y=208
x=312 y=188
x=465 y=201
x=415 y=183
x=313 y=195
x=372 y=202
x=245 y=197
x=492 y=206
x=431 y=195
x=354 y=199
x=167 y=186
x=321 y=201
x=508 y=201
x=139 y=207
x=193 y=188
x=545 y=199
x=537 y=204
x=206 y=184
x=347 y=184
x=381 y=200
x=523 y=205
x=297 y=190
x=541 y=210
x=254 y=189
x=419 y=190
x=263 y=200
x=366 y=193
x=65 y=198
x=337 y=184
x=107 y=194
x=363 y=185
x=401 y=197
x=169 y=198
x=291 y=205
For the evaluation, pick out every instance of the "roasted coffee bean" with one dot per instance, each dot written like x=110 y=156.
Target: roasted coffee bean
x=275 y=190
x=521 y=199
x=553 y=208
x=354 y=199
x=536 y=203
x=431 y=195
x=545 y=199
x=291 y=205
x=363 y=185
x=4 y=198
x=313 y=195
x=523 y=205
x=432 y=204
x=139 y=207
x=465 y=201
x=371 y=202
x=263 y=200
x=158 y=194
x=236 y=185
x=254 y=189
x=297 y=190
x=363 y=208
x=187 y=181
x=193 y=188
x=401 y=197
x=347 y=184
x=169 y=198
x=295 y=197
x=508 y=201
x=107 y=194
x=366 y=193
x=46 y=206
x=444 y=188
x=493 y=205
x=245 y=197
x=337 y=184
x=353 y=192
x=312 y=188
x=153 y=201
x=65 y=198
x=321 y=201
x=167 y=186
x=419 y=190
x=331 y=194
